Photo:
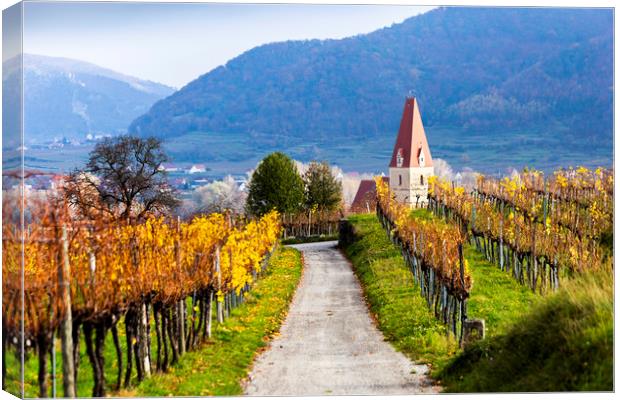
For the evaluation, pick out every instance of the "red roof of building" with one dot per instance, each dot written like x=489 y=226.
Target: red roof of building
x=411 y=138
x=366 y=187
x=366 y=195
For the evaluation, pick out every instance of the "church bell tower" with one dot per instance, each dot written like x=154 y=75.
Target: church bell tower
x=411 y=164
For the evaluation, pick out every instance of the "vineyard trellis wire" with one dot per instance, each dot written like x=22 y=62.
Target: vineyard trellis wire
x=581 y=200
x=530 y=225
x=434 y=254
x=116 y=271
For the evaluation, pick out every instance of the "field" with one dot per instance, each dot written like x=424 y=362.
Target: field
x=236 y=153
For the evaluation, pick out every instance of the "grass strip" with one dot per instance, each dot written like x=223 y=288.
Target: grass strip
x=393 y=297
x=219 y=366
x=495 y=296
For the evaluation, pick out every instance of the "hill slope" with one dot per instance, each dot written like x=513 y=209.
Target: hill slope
x=70 y=98
x=477 y=68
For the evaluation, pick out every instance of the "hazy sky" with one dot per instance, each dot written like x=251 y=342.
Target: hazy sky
x=176 y=43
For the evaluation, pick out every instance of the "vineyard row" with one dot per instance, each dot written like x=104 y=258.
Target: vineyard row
x=579 y=200
x=86 y=279
x=534 y=242
x=434 y=254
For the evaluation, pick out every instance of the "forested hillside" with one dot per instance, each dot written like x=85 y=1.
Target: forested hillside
x=478 y=68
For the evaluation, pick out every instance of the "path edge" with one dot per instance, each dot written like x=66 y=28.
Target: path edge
x=245 y=381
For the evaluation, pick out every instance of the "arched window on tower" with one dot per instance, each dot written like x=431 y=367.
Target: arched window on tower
x=400 y=180
x=421 y=179
x=399 y=158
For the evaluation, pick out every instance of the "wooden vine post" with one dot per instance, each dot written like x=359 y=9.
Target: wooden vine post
x=66 y=325
x=180 y=303
x=220 y=310
x=463 y=301
x=209 y=313
x=501 y=235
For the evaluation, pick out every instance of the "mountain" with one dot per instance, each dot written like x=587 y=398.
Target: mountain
x=478 y=69
x=70 y=98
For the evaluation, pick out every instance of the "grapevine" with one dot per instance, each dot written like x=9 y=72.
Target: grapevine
x=532 y=226
x=434 y=253
x=118 y=268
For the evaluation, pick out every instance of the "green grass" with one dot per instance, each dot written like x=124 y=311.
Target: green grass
x=214 y=368
x=422 y=214
x=495 y=296
x=403 y=314
x=564 y=343
x=394 y=299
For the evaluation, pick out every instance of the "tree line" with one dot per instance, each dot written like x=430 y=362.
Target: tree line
x=310 y=203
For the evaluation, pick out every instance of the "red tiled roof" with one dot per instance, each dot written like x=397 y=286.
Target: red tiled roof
x=411 y=138
x=366 y=194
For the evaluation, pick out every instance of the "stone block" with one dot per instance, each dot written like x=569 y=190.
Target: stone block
x=473 y=330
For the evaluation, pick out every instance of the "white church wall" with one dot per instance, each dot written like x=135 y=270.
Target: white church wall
x=407 y=186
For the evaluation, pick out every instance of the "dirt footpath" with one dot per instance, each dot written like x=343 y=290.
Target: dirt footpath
x=328 y=343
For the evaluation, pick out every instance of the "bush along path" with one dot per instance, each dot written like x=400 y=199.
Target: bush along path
x=218 y=366
x=329 y=344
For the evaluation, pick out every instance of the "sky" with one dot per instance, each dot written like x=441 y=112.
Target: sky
x=176 y=43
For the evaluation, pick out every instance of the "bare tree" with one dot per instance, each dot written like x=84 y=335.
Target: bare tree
x=123 y=178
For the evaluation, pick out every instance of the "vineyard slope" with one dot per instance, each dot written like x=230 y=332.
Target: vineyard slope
x=564 y=343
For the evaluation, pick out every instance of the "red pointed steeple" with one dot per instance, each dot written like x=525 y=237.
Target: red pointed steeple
x=411 y=140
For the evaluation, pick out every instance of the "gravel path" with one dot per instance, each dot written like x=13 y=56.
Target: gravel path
x=328 y=343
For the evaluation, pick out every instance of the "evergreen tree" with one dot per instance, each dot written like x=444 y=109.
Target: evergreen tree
x=323 y=191
x=276 y=183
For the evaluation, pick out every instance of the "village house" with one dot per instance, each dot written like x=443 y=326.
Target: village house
x=197 y=169
x=169 y=167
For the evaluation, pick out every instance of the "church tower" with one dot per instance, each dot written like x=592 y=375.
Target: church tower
x=411 y=163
